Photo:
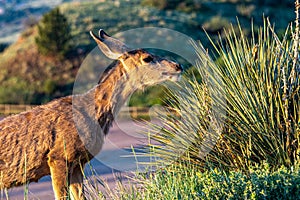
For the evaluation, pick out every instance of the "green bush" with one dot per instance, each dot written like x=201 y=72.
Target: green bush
x=49 y=86
x=186 y=182
x=245 y=111
x=216 y=24
x=3 y=46
x=54 y=34
x=16 y=91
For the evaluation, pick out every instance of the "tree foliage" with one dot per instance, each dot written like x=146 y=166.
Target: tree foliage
x=53 y=34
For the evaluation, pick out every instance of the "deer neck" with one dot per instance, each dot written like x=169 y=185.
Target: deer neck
x=112 y=92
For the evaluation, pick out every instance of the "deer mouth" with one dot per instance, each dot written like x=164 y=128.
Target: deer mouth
x=171 y=73
x=173 y=76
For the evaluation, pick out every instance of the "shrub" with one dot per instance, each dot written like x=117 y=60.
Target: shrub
x=216 y=24
x=187 y=182
x=54 y=34
x=49 y=86
x=16 y=91
x=245 y=10
x=246 y=110
x=3 y=46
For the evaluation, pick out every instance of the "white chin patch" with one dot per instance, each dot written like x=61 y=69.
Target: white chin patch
x=175 y=78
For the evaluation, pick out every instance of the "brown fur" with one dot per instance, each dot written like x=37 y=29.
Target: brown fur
x=50 y=140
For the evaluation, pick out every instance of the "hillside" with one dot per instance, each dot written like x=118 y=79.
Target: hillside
x=29 y=77
x=15 y=15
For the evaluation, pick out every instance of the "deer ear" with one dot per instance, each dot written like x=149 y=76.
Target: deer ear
x=111 y=47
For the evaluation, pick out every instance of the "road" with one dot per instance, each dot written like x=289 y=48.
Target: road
x=113 y=159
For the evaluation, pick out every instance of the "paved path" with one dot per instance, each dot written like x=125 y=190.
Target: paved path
x=112 y=159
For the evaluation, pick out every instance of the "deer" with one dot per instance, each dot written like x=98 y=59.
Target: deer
x=49 y=140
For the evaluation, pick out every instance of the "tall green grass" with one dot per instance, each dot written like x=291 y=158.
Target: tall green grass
x=244 y=111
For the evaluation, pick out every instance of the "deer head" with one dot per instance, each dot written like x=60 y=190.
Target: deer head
x=145 y=67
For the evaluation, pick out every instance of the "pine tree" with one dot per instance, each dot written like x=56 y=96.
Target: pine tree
x=54 y=34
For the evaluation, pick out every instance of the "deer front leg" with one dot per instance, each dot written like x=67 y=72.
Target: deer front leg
x=59 y=178
x=76 y=183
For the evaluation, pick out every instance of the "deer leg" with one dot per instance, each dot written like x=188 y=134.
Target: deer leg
x=59 y=177
x=76 y=183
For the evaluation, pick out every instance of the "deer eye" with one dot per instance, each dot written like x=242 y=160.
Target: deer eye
x=148 y=59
